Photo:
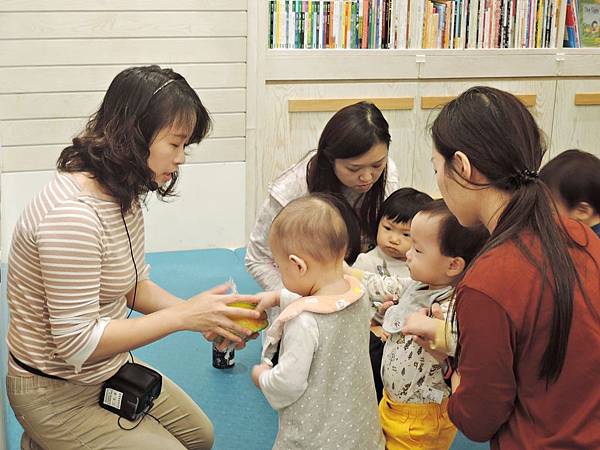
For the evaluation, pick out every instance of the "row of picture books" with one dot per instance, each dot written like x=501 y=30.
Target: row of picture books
x=398 y=24
x=582 y=24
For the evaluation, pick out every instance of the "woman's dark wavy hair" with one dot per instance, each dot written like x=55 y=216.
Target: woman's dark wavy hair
x=502 y=140
x=351 y=132
x=115 y=144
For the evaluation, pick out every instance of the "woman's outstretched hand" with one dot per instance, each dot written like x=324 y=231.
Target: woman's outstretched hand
x=209 y=313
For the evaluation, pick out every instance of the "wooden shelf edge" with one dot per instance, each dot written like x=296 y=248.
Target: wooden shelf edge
x=335 y=104
x=284 y=65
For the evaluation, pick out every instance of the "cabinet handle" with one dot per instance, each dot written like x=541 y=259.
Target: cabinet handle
x=335 y=104
x=587 y=98
x=434 y=102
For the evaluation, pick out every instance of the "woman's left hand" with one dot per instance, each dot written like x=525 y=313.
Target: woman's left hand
x=455 y=380
x=420 y=324
x=423 y=329
x=426 y=344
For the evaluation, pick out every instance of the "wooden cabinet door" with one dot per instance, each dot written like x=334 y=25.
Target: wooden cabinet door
x=577 y=116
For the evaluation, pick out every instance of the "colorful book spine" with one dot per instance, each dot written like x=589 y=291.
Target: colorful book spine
x=271 y=23
x=366 y=25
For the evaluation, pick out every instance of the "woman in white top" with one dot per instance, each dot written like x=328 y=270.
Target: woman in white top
x=77 y=264
x=351 y=160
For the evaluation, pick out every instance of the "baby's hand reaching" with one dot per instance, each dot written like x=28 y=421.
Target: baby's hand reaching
x=267 y=300
x=257 y=371
x=384 y=307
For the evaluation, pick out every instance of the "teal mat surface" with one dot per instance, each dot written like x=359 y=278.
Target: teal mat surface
x=242 y=417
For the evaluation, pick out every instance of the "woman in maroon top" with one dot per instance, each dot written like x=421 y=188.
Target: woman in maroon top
x=528 y=308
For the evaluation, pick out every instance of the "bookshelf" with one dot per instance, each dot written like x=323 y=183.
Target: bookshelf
x=549 y=79
x=402 y=24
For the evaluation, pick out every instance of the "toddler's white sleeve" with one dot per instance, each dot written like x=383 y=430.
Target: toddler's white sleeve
x=286 y=382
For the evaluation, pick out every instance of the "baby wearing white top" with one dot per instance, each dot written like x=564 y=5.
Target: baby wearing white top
x=320 y=383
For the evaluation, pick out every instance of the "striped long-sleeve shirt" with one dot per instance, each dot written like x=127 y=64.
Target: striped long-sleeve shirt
x=69 y=269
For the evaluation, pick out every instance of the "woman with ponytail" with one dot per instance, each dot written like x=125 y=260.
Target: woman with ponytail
x=351 y=161
x=528 y=307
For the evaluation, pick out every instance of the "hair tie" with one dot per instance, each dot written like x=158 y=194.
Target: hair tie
x=521 y=178
x=528 y=176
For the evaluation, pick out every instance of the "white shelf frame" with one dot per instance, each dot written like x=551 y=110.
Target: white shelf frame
x=414 y=64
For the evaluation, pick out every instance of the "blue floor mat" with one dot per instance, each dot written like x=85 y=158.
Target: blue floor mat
x=239 y=412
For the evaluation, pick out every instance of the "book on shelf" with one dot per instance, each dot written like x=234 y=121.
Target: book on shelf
x=400 y=24
x=589 y=22
x=571 y=37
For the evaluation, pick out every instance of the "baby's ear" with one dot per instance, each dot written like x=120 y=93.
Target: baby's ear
x=299 y=263
x=456 y=266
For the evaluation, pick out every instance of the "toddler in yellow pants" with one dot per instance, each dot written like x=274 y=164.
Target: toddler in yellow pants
x=416 y=426
x=413 y=410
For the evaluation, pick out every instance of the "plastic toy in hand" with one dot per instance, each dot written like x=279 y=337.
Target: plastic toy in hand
x=254 y=325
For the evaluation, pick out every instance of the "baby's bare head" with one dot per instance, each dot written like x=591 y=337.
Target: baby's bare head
x=310 y=227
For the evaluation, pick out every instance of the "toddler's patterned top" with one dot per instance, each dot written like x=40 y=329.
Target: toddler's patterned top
x=409 y=373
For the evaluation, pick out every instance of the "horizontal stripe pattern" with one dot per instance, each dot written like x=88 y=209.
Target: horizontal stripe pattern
x=69 y=266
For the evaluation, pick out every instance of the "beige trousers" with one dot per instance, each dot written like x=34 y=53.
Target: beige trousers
x=59 y=415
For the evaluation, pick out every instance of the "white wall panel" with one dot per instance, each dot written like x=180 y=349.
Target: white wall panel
x=14 y=80
x=120 y=5
x=42 y=52
x=52 y=25
x=82 y=104
x=209 y=211
x=43 y=157
x=55 y=131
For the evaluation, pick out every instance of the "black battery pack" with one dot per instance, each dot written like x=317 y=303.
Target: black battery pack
x=131 y=391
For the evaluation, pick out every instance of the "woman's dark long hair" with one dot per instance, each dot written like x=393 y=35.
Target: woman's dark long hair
x=351 y=132
x=115 y=145
x=502 y=140
x=351 y=221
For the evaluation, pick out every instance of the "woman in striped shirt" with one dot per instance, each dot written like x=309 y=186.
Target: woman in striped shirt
x=77 y=264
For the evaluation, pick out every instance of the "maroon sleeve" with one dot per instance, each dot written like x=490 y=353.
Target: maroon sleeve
x=485 y=397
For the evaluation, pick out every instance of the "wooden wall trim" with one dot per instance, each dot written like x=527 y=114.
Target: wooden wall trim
x=335 y=104
x=438 y=101
x=587 y=98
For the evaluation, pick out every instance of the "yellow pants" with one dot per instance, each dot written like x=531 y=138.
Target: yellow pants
x=416 y=426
